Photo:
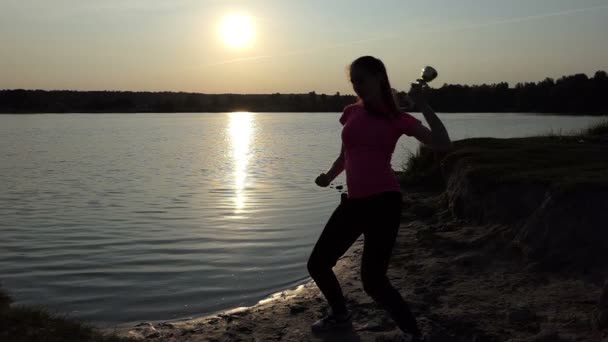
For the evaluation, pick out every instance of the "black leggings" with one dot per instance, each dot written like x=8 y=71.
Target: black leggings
x=377 y=217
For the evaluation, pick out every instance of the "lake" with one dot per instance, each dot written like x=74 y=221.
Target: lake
x=116 y=218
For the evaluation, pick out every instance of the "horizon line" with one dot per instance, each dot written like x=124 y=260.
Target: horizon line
x=292 y=93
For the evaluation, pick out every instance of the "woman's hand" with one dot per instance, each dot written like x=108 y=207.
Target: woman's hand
x=322 y=180
x=419 y=94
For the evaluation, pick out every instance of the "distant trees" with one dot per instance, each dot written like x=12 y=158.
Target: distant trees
x=575 y=94
x=40 y=101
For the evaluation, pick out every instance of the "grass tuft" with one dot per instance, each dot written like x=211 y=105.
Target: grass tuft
x=422 y=169
x=600 y=128
x=20 y=323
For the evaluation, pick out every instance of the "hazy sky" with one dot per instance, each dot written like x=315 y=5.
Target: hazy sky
x=299 y=46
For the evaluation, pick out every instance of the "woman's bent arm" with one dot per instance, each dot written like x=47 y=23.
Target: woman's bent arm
x=437 y=138
x=439 y=134
x=337 y=167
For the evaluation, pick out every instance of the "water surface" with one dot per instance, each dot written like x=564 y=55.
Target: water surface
x=127 y=217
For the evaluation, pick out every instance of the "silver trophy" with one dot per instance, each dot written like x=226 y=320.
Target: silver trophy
x=428 y=74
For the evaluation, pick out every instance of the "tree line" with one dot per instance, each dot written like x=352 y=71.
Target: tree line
x=575 y=94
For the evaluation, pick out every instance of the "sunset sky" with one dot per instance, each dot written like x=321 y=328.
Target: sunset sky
x=268 y=46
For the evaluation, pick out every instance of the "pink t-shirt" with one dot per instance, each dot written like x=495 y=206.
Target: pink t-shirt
x=369 y=143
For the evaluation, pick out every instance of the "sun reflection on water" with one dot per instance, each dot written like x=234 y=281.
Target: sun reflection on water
x=240 y=130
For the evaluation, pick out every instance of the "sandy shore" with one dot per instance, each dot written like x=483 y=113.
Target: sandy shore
x=463 y=282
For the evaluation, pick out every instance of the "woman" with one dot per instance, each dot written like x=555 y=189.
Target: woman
x=371 y=129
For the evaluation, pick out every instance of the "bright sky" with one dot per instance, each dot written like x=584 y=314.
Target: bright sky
x=292 y=46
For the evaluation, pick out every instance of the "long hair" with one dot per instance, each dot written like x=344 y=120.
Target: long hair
x=375 y=66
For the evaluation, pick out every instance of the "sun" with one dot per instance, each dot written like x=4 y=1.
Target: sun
x=237 y=31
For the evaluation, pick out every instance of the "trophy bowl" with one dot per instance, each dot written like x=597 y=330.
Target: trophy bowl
x=428 y=74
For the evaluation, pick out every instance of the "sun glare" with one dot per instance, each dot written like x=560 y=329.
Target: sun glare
x=237 y=31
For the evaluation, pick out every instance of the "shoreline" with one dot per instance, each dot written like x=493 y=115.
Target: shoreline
x=289 y=298
x=268 y=297
x=305 y=286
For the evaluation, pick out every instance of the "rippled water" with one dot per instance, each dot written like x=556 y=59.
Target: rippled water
x=126 y=217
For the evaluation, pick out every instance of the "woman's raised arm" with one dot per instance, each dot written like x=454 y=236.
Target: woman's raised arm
x=437 y=137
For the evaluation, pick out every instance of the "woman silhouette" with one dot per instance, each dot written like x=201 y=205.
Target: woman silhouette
x=371 y=129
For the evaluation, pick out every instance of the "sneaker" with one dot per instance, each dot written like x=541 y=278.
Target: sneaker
x=332 y=322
